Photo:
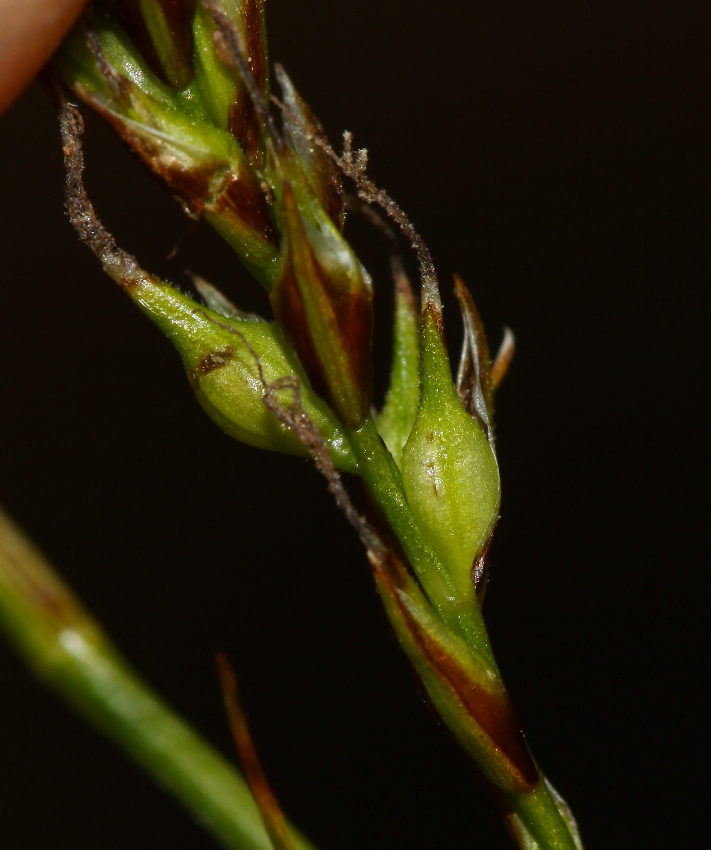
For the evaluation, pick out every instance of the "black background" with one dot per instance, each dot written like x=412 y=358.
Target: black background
x=554 y=154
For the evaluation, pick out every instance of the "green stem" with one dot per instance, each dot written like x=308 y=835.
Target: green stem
x=68 y=650
x=536 y=813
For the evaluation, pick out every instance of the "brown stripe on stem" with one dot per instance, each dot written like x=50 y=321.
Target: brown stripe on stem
x=243 y=120
x=491 y=711
x=264 y=797
x=290 y=314
x=254 y=41
x=351 y=320
x=434 y=312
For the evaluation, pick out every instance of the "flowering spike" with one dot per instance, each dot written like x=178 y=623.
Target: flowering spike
x=303 y=385
x=303 y=131
x=449 y=468
x=323 y=302
x=402 y=400
x=162 y=29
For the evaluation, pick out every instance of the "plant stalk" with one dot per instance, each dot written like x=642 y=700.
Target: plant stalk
x=70 y=653
x=534 y=816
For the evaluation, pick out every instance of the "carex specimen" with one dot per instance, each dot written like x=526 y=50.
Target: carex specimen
x=187 y=85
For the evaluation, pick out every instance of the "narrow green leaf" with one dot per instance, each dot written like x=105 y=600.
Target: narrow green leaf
x=69 y=652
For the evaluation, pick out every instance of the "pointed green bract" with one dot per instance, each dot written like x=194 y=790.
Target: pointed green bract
x=397 y=417
x=449 y=469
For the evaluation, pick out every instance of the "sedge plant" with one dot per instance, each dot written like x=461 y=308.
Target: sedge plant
x=187 y=85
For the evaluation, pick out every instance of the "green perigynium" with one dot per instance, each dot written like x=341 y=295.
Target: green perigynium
x=221 y=351
x=186 y=85
x=449 y=468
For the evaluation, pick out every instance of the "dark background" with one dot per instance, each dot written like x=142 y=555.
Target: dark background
x=555 y=154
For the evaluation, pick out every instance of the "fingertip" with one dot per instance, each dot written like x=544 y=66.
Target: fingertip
x=30 y=30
